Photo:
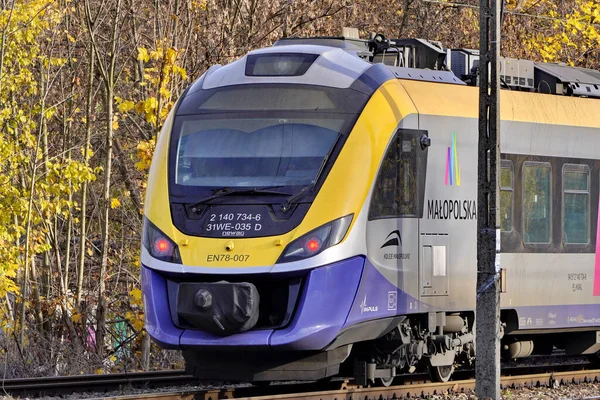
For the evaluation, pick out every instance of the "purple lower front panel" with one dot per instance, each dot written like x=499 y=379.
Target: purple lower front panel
x=156 y=310
x=327 y=296
x=250 y=340
x=324 y=306
x=378 y=298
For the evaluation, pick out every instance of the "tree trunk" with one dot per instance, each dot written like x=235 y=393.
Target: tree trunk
x=101 y=310
x=146 y=345
x=70 y=218
x=46 y=274
x=84 y=187
x=29 y=255
x=108 y=77
x=3 y=39
x=129 y=181
x=37 y=304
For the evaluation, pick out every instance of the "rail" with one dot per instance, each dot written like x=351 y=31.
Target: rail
x=543 y=371
x=93 y=383
x=348 y=391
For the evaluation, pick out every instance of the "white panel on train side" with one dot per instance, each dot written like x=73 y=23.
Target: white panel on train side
x=536 y=279
x=540 y=279
x=398 y=264
x=450 y=209
x=549 y=140
x=449 y=220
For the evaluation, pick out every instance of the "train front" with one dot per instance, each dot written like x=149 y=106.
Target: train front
x=249 y=266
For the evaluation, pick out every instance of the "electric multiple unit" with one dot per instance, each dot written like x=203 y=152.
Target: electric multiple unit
x=309 y=211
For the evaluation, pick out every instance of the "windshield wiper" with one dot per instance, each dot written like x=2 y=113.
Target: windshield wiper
x=293 y=199
x=228 y=190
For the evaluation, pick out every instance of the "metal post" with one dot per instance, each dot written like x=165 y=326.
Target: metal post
x=487 y=318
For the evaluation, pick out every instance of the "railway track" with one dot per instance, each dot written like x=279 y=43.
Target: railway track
x=347 y=391
x=540 y=373
x=59 y=385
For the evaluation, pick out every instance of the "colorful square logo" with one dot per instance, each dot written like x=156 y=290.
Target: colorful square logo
x=452 y=168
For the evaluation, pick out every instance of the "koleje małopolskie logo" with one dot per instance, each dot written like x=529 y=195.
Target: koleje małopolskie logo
x=393 y=239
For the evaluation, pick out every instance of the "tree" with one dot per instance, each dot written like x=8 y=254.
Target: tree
x=107 y=53
x=570 y=33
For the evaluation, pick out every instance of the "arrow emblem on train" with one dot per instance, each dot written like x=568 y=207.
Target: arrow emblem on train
x=393 y=239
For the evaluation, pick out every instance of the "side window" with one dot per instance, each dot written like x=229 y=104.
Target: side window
x=506 y=195
x=537 y=211
x=576 y=204
x=400 y=186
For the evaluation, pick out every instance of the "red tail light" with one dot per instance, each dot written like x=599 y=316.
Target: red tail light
x=313 y=245
x=162 y=246
x=158 y=244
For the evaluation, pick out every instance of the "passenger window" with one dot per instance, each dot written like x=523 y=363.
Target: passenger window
x=506 y=195
x=536 y=202
x=400 y=185
x=576 y=204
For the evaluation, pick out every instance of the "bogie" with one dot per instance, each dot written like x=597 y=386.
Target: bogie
x=408 y=348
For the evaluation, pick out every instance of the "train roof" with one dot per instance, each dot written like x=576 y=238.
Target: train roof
x=526 y=83
x=339 y=64
x=334 y=67
x=420 y=59
x=344 y=61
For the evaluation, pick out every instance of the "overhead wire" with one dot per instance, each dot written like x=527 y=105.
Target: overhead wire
x=545 y=17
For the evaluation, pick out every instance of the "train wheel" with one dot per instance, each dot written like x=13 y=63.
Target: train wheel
x=441 y=373
x=386 y=381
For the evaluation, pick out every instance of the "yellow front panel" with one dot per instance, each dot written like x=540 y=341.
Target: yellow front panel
x=343 y=192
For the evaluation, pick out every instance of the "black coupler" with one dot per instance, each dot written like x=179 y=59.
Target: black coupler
x=222 y=308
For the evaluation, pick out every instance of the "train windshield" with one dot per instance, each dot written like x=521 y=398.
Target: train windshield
x=259 y=137
x=253 y=152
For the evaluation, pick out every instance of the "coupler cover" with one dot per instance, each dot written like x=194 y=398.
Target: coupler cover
x=222 y=308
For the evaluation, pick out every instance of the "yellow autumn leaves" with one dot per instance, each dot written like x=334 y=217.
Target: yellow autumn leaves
x=145 y=150
x=160 y=68
x=33 y=186
x=136 y=315
x=567 y=37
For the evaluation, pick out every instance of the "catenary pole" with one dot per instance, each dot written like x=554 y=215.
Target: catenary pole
x=487 y=317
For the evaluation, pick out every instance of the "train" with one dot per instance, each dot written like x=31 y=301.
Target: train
x=311 y=211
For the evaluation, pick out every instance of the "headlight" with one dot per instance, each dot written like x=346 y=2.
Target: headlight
x=314 y=242
x=158 y=244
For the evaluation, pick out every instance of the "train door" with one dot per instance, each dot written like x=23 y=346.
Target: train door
x=434 y=238
x=394 y=213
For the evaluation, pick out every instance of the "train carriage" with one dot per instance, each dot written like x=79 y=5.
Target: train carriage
x=312 y=207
